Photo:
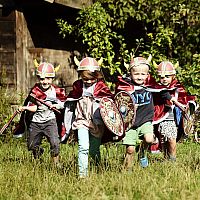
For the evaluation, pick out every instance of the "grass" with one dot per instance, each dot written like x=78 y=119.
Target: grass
x=21 y=177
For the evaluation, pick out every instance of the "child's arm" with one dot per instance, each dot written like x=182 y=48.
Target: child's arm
x=58 y=105
x=29 y=108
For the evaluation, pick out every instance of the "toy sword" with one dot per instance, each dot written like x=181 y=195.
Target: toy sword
x=8 y=123
x=44 y=103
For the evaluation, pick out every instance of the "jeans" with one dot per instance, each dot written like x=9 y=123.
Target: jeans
x=35 y=136
x=87 y=144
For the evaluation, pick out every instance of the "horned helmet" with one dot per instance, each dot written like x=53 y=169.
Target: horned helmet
x=166 y=68
x=88 y=63
x=45 y=69
x=137 y=61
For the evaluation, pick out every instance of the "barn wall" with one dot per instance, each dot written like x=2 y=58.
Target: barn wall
x=66 y=74
x=23 y=40
x=7 y=51
x=27 y=34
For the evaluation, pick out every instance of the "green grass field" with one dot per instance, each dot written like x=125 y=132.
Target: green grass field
x=23 y=178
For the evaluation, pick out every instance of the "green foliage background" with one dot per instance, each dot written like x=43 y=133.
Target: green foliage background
x=116 y=29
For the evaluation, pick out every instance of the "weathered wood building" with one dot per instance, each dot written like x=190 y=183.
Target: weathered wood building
x=28 y=31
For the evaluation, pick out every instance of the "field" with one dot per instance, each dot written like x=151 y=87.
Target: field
x=21 y=177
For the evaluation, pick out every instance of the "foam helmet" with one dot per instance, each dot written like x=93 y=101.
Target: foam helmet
x=45 y=69
x=137 y=61
x=166 y=68
x=88 y=63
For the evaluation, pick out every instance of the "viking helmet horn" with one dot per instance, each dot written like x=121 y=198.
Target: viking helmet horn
x=76 y=61
x=36 y=63
x=176 y=65
x=149 y=58
x=126 y=65
x=155 y=65
x=57 y=68
x=100 y=61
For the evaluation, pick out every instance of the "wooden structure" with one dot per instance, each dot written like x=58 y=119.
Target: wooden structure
x=28 y=31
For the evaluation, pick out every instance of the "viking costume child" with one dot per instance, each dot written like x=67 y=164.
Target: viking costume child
x=82 y=111
x=170 y=100
x=142 y=128
x=42 y=119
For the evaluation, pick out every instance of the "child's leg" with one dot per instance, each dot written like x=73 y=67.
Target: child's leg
x=168 y=130
x=130 y=141
x=146 y=130
x=34 y=140
x=56 y=160
x=83 y=151
x=172 y=149
x=51 y=132
x=94 y=148
x=128 y=161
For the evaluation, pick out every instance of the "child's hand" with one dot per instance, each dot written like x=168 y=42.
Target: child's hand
x=165 y=95
x=29 y=108
x=175 y=101
x=21 y=109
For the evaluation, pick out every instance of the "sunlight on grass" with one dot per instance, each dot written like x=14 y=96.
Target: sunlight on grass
x=24 y=178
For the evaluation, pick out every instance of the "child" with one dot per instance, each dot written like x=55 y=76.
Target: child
x=43 y=119
x=142 y=128
x=87 y=92
x=167 y=108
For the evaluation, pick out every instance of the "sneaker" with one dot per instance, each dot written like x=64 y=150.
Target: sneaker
x=18 y=135
x=172 y=158
x=144 y=162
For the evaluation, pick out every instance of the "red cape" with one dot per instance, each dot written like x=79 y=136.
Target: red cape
x=160 y=110
x=175 y=89
x=60 y=94
x=101 y=90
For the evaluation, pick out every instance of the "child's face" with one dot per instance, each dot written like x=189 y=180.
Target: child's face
x=166 y=80
x=88 y=81
x=139 y=74
x=46 y=82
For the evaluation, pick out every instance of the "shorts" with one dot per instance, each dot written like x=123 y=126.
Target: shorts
x=133 y=136
x=168 y=129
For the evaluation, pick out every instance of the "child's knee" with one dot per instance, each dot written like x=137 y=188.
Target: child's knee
x=172 y=140
x=149 y=138
x=130 y=149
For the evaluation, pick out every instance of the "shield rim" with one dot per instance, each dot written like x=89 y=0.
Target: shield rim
x=123 y=133
x=133 y=121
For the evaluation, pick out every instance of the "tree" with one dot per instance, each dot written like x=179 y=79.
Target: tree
x=115 y=29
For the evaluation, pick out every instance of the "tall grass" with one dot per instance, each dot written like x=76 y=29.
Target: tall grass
x=22 y=177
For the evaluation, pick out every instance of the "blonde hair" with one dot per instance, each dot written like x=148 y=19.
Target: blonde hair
x=141 y=66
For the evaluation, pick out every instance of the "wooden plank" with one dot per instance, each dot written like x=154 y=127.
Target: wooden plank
x=74 y=3
x=50 y=1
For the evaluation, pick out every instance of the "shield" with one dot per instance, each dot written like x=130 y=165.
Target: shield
x=111 y=116
x=188 y=123
x=127 y=108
